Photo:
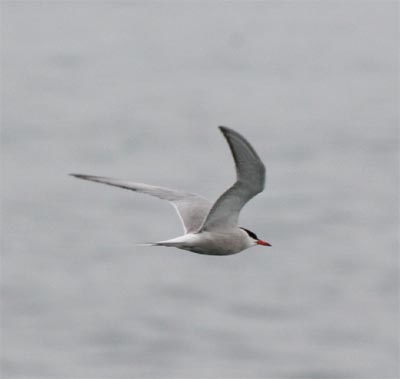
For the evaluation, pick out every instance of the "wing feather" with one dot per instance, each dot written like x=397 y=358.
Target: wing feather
x=192 y=209
x=250 y=181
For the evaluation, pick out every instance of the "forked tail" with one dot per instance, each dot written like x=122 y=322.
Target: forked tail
x=161 y=243
x=178 y=242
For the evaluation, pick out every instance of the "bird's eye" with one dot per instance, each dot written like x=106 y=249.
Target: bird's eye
x=250 y=233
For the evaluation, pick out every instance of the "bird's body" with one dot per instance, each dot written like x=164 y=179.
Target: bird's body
x=209 y=243
x=210 y=229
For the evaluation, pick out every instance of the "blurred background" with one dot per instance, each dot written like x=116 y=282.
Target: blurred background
x=136 y=90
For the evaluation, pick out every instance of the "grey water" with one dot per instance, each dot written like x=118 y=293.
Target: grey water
x=136 y=90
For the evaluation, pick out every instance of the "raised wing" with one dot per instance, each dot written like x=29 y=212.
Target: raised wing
x=192 y=209
x=250 y=172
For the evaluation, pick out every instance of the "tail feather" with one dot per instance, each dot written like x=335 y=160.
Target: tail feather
x=161 y=243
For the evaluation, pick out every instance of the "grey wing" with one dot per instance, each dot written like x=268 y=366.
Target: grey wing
x=191 y=208
x=250 y=172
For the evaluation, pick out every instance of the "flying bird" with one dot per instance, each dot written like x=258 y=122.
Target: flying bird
x=210 y=228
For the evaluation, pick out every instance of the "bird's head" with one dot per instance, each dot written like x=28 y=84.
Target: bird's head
x=253 y=239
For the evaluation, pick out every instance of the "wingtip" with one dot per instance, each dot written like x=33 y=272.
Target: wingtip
x=80 y=176
x=226 y=130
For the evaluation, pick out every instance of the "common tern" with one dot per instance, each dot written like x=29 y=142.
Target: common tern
x=209 y=228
